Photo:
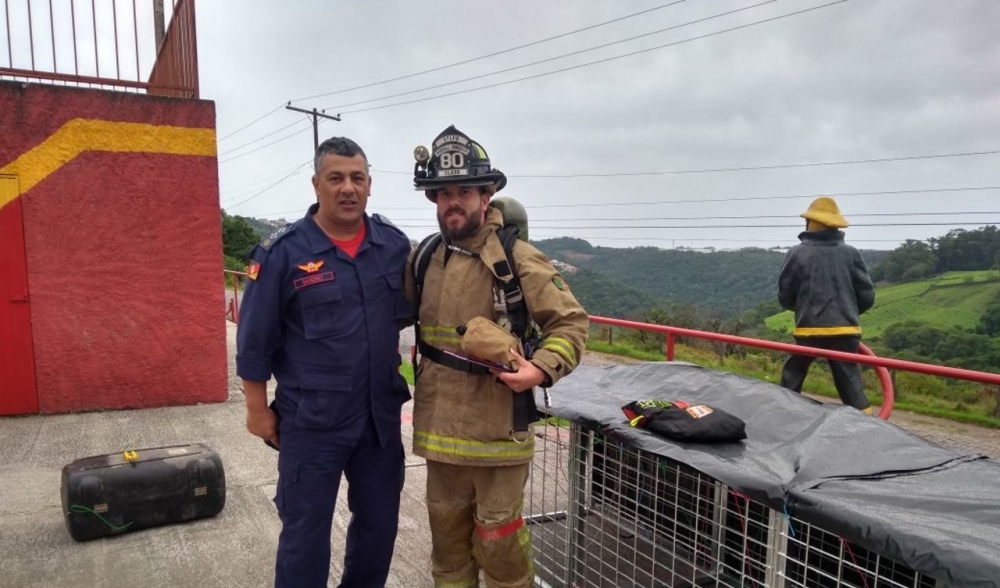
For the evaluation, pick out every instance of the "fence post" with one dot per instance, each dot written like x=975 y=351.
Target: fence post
x=236 y=299
x=576 y=510
x=777 y=547
x=670 y=346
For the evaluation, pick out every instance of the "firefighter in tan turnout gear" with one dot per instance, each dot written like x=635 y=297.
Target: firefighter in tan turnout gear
x=472 y=423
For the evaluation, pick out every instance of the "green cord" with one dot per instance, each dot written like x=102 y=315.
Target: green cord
x=79 y=509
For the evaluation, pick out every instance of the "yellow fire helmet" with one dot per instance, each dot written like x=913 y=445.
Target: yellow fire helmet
x=824 y=210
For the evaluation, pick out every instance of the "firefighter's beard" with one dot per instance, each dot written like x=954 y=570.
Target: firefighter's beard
x=465 y=230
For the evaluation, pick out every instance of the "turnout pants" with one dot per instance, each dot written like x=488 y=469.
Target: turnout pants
x=846 y=375
x=310 y=464
x=475 y=519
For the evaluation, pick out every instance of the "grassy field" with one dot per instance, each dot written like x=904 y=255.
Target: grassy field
x=954 y=299
x=959 y=401
x=407 y=370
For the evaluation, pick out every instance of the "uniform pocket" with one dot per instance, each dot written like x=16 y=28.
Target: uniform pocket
x=323 y=396
x=402 y=388
x=403 y=310
x=320 y=309
x=288 y=474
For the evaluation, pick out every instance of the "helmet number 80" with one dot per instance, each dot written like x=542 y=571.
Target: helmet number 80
x=452 y=160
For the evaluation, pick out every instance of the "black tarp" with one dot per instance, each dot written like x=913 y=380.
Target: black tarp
x=934 y=509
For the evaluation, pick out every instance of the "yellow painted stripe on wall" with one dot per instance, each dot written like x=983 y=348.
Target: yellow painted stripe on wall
x=79 y=135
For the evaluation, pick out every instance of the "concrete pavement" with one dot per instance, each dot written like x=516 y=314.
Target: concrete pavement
x=234 y=549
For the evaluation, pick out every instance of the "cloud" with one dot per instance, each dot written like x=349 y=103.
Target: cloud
x=857 y=80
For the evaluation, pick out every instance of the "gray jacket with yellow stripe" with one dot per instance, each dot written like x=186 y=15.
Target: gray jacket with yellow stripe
x=825 y=281
x=463 y=418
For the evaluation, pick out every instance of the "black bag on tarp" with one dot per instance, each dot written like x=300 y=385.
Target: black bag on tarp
x=121 y=492
x=676 y=419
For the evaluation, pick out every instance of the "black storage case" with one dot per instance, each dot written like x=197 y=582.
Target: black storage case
x=113 y=494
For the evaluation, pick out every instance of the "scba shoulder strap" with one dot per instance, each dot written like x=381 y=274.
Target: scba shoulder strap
x=525 y=409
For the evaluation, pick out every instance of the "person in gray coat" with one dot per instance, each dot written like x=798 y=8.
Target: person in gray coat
x=826 y=283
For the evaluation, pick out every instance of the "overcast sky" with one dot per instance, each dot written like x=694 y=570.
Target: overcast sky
x=857 y=80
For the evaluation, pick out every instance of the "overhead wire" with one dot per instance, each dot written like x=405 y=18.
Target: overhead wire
x=605 y=60
x=266 y=145
x=735 y=226
x=262 y=137
x=733 y=217
x=251 y=123
x=558 y=71
x=730 y=199
x=255 y=183
x=742 y=199
x=265 y=190
x=556 y=58
x=493 y=54
x=734 y=169
x=708 y=239
x=443 y=67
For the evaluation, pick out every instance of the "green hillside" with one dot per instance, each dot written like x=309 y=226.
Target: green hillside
x=602 y=296
x=723 y=282
x=954 y=299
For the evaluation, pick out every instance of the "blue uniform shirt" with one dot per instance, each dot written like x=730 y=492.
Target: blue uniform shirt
x=327 y=326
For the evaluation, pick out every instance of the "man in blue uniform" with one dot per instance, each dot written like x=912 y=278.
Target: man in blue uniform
x=322 y=313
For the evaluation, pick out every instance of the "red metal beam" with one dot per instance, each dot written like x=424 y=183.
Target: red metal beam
x=897 y=364
x=60 y=77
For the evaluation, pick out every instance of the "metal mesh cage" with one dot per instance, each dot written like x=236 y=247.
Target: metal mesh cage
x=605 y=515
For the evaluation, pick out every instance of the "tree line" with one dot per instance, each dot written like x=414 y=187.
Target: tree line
x=959 y=250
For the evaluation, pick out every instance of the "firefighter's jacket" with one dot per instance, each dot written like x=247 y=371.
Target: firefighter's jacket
x=825 y=281
x=464 y=418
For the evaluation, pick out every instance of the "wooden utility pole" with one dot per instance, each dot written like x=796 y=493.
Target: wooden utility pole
x=159 y=28
x=315 y=114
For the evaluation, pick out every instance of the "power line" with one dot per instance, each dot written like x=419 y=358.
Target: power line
x=253 y=122
x=263 y=180
x=750 y=198
x=786 y=226
x=266 y=145
x=706 y=240
x=556 y=58
x=608 y=59
x=733 y=169
x=727 y=217
x=295 y=171
x=741 y=199
x=261 y=138
x=494 y=54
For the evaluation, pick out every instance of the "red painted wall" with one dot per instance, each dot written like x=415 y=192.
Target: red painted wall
x=124 y=257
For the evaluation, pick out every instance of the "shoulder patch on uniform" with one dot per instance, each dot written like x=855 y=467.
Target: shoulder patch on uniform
x=385 y=222
x=267 y=243
x=560 y=283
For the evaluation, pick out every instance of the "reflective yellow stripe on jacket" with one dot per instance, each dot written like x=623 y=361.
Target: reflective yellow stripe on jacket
x=438 y=336
x=463 y=583
x=825 y=331
x=477 y=449
x=561 y=346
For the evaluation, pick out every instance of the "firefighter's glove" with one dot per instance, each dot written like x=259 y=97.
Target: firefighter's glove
x=485 y=339
x=681 y=421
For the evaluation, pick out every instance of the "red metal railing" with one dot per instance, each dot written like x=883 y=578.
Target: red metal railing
x=93 y=44
x=233 y=307
x=866 y=357
x=177 y=61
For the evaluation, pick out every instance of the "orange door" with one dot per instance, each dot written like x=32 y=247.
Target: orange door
x=17 y=357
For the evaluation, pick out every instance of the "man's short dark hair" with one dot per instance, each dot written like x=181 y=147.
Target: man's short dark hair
x=337 y=146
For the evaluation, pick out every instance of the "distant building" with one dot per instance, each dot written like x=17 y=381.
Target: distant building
x=564 y=267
